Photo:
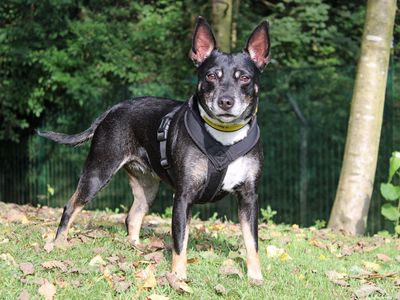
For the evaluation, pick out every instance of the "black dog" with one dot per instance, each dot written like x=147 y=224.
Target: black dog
x=204 y=148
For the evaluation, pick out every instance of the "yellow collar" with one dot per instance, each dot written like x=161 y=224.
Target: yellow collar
x=227 y=127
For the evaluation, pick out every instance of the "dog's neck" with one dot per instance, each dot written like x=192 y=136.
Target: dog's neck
x=227 y=138
x=224 y=133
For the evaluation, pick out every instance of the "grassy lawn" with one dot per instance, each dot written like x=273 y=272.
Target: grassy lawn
x=98 y=263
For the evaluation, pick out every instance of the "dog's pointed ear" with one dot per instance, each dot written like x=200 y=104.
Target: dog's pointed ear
x=258 y=45
x=203 y=42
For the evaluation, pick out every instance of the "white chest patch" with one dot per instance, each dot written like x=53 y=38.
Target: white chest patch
x=242 y=169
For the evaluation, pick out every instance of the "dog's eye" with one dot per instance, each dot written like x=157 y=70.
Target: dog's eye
x=244 y=79
x=211 y=77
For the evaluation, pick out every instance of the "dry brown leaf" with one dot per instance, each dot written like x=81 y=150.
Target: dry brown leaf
x=383 y=257
x=97 y=261
x=156 y=257
x=24 y=295
x=76 y=283
x=228 y=268
x=16 y=216
x=366 y=290
x=332 y=275
x=47 y=290
x=156 y=244
x=61 y=283
x=318 y=244
x=113 y=259
x=220 y=289
x=193 y=260
x=178 y=285
x=27 y=268
x=39 y=281
x=52 y=264
x=7 y=257
x=146 y=278
x=108 y=277
x=122 y=286
x=372 y=266
x=125 y=266
x=49 y=246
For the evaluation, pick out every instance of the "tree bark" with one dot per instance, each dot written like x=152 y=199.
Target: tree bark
x=350 y=209
x=222 y=23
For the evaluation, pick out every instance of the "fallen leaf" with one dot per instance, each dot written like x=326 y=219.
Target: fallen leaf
x=24 y=295
x=228 y=268
x=97 y=261
x=156 y=257
x=368 y=289
x=16 y=216
x=76 y=283
x=284 y=257
x=52 y=264
x=193 y=260
x=371 y=266
x=178 y=285
x=383 y=257
x=273 y=251
x=62 y=283
x=156 y=244
x=220 y=289
x=157 y=297
x=113 y=259
x=27 y=268
x=125 y=266
x=318 y=244
x=108 y=277
x=145 y=278
x=216 y=227
x=7 y=257
x=122 y=286
x=333 y=275
x=47 y=290
x=49 y=246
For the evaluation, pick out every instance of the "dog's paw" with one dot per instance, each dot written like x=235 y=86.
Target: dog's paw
x=61 y=242
x=256 y=282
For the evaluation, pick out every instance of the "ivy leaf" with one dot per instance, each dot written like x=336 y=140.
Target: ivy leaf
x=394 y=164
x=390 y=192
x=390 y=212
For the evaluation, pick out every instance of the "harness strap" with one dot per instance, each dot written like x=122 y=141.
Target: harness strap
x=219 y=156
x=162 y=136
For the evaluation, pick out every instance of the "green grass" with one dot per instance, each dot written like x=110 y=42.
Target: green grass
x=298 y=274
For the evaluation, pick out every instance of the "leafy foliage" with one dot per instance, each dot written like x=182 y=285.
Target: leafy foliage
x=74 y=55
x=69 y=56
x=391 y=192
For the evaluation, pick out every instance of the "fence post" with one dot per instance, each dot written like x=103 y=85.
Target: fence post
x=304 y=178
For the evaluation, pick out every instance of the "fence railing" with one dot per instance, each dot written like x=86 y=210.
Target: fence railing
x=303 y=117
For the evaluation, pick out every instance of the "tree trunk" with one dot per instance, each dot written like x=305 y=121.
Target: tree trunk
x=222 y=23
x=350 y=210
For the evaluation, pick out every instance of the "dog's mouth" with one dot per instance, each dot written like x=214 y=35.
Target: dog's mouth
x=225 y=117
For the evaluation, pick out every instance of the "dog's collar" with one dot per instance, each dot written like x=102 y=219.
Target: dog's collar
x=221 y=126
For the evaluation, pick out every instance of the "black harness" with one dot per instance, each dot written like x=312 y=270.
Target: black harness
x=219 y=156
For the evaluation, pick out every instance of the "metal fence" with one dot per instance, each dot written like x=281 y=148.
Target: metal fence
x=303 y=117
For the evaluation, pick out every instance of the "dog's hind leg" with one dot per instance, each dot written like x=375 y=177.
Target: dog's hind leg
x=98 y=170
x=144 y=190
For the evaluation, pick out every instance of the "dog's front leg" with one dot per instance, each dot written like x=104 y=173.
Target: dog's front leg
x=248 y=216
x=181 y=215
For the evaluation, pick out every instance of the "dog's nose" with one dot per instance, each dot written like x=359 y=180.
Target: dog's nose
x=225 y=103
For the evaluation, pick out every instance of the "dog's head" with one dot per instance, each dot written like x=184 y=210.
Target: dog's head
x=228 y=83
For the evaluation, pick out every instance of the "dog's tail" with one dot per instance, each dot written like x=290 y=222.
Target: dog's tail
x=73 y=139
